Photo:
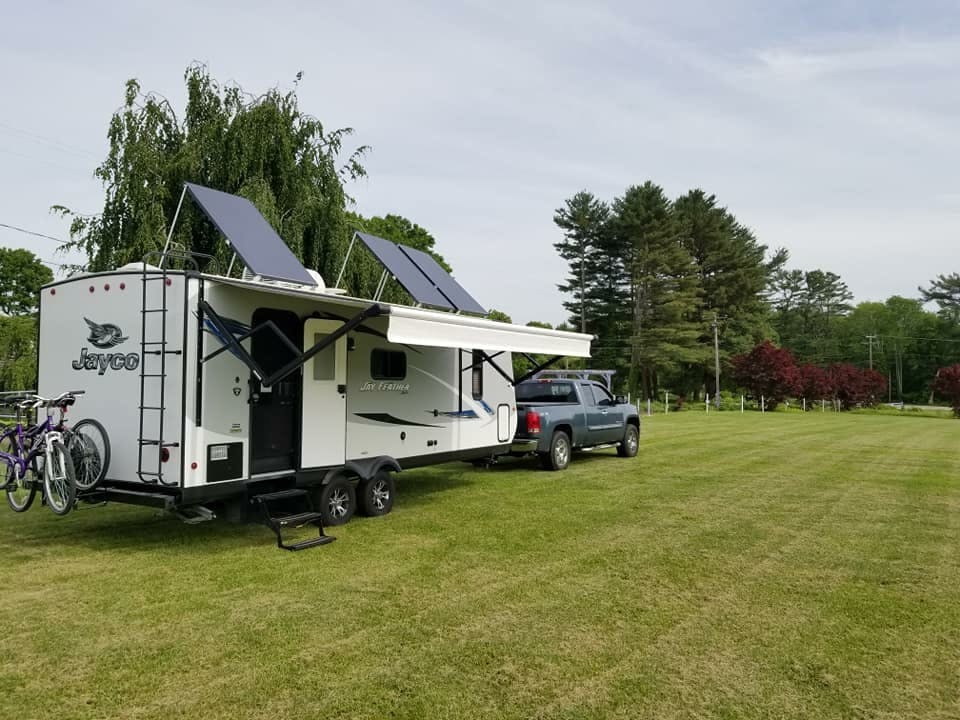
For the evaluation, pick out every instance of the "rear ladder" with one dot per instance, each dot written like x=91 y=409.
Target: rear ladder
x=153 y=380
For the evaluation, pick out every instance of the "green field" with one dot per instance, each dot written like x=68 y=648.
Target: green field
x=743 y=566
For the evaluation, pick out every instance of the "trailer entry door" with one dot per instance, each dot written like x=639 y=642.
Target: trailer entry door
x=324 y=398
x=273 y=410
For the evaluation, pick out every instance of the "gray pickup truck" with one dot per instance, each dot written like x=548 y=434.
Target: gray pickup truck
x=556 y=416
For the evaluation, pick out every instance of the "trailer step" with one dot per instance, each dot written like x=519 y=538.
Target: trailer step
x=298 y=520
x=309 y=543
x=279 y=495
x=289 y=519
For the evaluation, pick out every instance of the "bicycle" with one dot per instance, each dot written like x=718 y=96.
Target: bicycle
x=38 y=450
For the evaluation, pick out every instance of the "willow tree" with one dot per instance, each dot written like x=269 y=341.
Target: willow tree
x=264 y=148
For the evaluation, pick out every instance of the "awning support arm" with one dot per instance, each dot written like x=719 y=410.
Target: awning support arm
x=489 y=359
x=232 y=342
x=266 y=325
x=538 y=368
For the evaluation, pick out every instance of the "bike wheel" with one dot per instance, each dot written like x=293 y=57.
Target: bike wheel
x=89 y=449
x=20 y=491
x=59 y=480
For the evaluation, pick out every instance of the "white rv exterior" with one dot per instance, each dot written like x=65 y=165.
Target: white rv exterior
x=404 y=387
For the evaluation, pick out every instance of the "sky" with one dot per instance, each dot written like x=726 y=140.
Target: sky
x=828 y=127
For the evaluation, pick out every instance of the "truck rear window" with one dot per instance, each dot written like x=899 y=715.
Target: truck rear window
x=551 y=392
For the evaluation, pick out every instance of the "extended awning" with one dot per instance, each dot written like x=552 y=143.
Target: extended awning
x=413 y=326
x=430 y=328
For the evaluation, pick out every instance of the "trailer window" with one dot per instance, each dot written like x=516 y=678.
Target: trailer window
x=546 y=392
x=477 y=374
x=388 y=365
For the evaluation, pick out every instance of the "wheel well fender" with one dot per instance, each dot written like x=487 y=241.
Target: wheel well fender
x=365 y=468
x=568 y=429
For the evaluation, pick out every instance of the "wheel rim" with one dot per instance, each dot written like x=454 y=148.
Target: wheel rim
x=632 y=441
x=379 y=494
x=88 y=448
x=561 y=452
x=19 y=489
x=87 y=459
x=58 y=489
x=339 y=504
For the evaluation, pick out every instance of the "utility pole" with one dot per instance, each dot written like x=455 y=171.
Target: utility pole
x=716 y=359
x=870 y=339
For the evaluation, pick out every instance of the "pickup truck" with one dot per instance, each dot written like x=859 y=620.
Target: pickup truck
x=556 y=416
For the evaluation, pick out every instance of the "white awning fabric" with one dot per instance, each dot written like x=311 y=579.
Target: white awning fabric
x=412 y=326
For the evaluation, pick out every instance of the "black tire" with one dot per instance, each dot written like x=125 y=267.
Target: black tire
x=338 y=502
x=375 y=495
x=630 y=443
x=558 y=458
x=89 y=448
x=21 y=491
x=59 y=480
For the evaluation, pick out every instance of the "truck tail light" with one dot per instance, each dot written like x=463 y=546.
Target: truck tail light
x=533 y=422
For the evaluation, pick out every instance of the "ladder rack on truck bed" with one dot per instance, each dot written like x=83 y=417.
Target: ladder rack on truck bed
x=606 y=376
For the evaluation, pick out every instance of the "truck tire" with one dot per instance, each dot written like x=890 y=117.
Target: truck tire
x=338 y=502
x=375 y=495
x=558 y=458
x=631 y=442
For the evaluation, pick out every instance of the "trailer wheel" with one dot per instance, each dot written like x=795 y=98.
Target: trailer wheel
x=559 y=456
x=338 y=502
x=375 y=495
x=631 y=442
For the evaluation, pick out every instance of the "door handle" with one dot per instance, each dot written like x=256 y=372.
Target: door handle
x=342 y=389
x=603 y=412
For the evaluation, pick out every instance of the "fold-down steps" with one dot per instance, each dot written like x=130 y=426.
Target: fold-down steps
x=278 y=515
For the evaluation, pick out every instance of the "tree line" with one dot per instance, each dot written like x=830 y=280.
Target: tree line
x=659 y=281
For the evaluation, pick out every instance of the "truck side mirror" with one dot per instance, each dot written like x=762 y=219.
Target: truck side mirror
x=621 y=400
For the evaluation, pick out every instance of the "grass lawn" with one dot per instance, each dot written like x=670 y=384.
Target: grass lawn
x=743 y=566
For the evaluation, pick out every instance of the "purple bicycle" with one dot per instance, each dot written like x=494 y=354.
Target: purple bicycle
x=35 y=456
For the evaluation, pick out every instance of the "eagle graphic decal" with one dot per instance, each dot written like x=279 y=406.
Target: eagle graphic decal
x=104 y=336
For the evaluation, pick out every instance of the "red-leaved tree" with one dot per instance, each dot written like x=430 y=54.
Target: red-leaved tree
x=813 y=383
x=947 y=386
x=853 y=386
x=766 y=371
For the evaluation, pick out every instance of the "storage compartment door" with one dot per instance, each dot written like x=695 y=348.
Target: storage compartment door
x=324 y=425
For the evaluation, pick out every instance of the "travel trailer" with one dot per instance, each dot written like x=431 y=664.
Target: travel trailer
x=216 y=390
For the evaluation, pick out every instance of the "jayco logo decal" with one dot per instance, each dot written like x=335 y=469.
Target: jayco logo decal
x=105 y=336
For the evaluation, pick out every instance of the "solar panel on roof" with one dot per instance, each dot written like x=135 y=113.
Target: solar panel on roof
x=251 y=236
x=410 y=277
x=450 y=288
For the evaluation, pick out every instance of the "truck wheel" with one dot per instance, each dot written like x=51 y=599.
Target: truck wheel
x=376 y=494
x=559 y=456
x=338 y=502
x=631 y=442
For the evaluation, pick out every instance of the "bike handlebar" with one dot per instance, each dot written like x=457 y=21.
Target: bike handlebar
x=62 y=400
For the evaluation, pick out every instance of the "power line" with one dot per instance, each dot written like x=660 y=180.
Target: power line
x=56 y=144
x=31 y=232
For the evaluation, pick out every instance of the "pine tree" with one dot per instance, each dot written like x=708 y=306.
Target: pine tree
x=583 y=219
x=664 y=289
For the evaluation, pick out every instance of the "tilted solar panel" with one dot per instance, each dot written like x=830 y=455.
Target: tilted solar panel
x=407 y=273
x=450 y=288
x=250 y=235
